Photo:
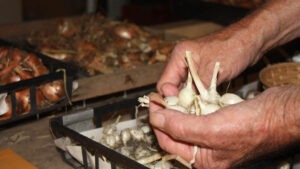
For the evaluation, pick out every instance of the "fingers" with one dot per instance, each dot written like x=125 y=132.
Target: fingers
x=173 y=75
x=176 y=69
x=169 y=89
x=174 y=147
x=182 y=127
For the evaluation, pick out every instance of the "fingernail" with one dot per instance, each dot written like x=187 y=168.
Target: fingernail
x=157 y=119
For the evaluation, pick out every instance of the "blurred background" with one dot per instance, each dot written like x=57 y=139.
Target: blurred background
x=142 y=12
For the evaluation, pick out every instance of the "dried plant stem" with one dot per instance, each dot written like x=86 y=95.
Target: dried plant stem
x=175 y=157
x=200 y=87
x=150 y=159
x=212 y=91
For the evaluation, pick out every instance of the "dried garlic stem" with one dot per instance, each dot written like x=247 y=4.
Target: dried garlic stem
x=150 y=159
x=175 y=157
x=214 y=95
x=203 y=92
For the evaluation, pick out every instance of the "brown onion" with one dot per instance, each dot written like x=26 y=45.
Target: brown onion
x=3 y=52
x=36 y=65
x=13 y=77
x=7 y=71
x=23 y=101
x=126 y=31
x=22 y=74
x=53 y=91
x=41 y=102
x=68 y=29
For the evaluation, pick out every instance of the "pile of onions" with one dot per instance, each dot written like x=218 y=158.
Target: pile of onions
x=17 y=65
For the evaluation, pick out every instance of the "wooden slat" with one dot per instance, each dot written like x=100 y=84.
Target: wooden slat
x=101 y=85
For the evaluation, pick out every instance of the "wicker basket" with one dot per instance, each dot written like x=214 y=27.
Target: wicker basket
x=280 y=74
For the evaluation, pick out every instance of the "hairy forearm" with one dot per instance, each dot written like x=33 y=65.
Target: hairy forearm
x=275 y=23
x=286 y=13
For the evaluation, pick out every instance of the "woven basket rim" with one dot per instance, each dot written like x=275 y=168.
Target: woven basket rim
x=280 y=74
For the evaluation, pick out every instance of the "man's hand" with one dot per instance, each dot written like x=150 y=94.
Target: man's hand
x=206 y=51
x=231 y=135
x=236 y=46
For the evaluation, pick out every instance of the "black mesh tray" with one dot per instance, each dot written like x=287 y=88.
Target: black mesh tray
x=71 y=124
x=32 y=84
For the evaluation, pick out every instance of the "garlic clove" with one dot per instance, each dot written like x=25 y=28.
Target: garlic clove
x=146 y=129
x=186 y=95
x=209 y=108
x=125 y=136
x=178 y=108
x=137 y=134
x=171 y=100
x=186 y=98
x=155 y=97
x=229 y=99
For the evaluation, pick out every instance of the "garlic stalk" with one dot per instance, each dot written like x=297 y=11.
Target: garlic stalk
x=200 y=87
x=212 y=91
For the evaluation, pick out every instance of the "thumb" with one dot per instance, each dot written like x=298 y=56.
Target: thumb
x=183 y=127
x=168 y=89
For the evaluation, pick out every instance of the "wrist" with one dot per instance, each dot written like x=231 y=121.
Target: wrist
x=256 y=33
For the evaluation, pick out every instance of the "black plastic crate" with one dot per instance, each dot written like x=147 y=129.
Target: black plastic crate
x=57 y=71
x=67 y=126
x=63 y=126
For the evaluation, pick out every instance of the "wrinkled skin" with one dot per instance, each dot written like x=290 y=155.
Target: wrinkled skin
x=206 y=48
x=242 y=132
x=232 y=135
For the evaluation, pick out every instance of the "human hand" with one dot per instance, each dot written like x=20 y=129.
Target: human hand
x=232 y=135
x=225 y=47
